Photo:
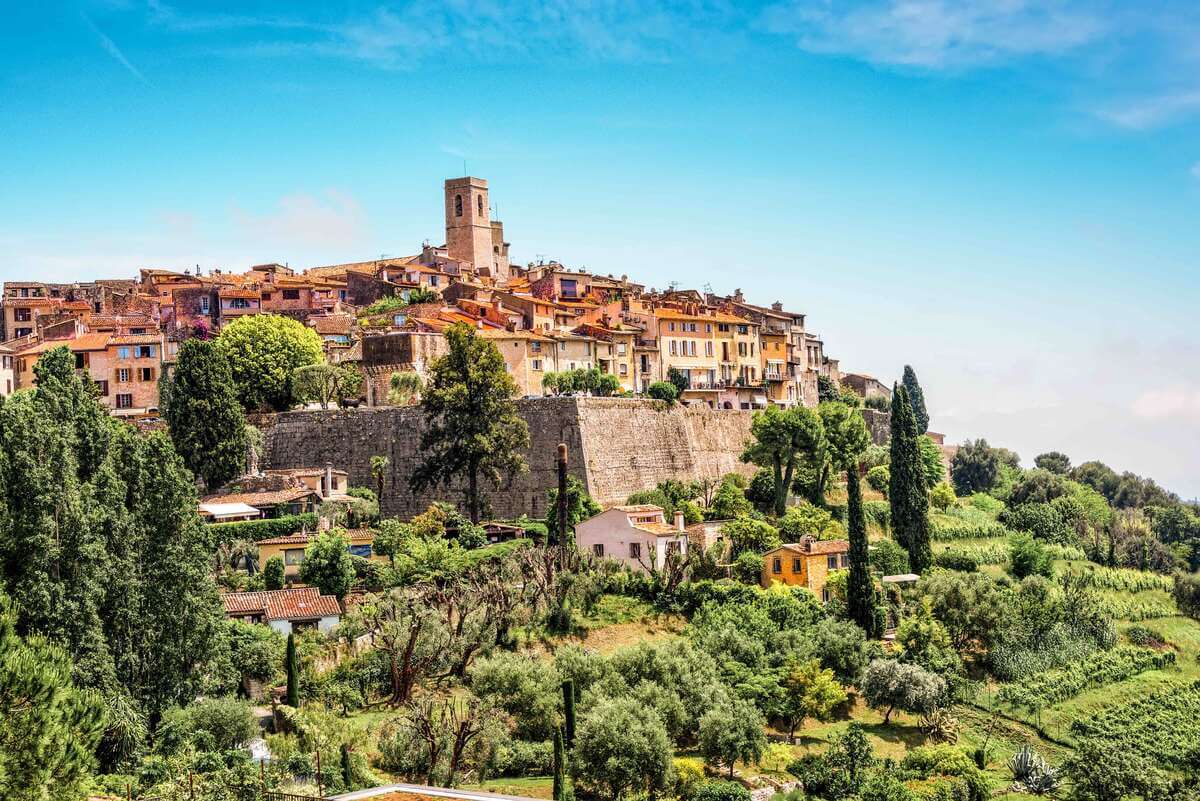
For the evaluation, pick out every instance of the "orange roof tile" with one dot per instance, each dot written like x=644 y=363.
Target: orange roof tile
x=267 y=498
x=297 y=603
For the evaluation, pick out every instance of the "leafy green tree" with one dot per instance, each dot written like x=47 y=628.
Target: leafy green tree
x=889 y=558
x=472 y=428
x=879 y=478
x=827 y=390
x=1107 y=771
x=1054 y=462
x=620 y=748
x=663 y=391
x=808 y=691
x=860 y=587
x=846 y=437
x=580 y=507
x=1028 y=557
x=781 y=438
x=942 y=496
x=891 y=685
x=916 y=399
x=49 y=729
x=273 y=573
x=327 y=564
x=326 y=383
x=747 y=535
x=975 y=467
x=908 y=493
x=731 y=732
x=404 y=388
x=678 y=379
x=607 y=385
x=292 y=667
x=264 y=351
x=761 y=492
x=931 y=460
x=203 y=415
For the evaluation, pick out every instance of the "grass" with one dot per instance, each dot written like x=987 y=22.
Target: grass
x=529 y=786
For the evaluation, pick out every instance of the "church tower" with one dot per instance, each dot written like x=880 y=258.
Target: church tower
x=469 y=227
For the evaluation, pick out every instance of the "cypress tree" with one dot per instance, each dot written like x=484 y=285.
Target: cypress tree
x=860 y=588
x=559 y=768
x=916 y=397
x=347 y=769
x=907 y=492
x=568 y=691
x=293 y=673
x=204 y=415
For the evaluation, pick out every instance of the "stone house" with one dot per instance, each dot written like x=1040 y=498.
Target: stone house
x=285 y=611
x=8 y=378
x=806 y=563
x=867 y=386
x=637 y=536
x=527 y=355
x=269 y=502
x=291 y=549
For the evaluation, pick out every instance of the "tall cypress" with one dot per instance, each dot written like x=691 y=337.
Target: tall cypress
x=293 y=673
x=204 y=415
x=908 y=495
x=559 y=768
x=860 y=588
x=916 y=398
x=347 y=768
x=568 y=691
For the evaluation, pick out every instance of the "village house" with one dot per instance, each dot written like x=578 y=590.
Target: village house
x=637 y=536
x=290 y=549
x=867 y=386
x=806 y=563
x=286 y=611
x=269 y=502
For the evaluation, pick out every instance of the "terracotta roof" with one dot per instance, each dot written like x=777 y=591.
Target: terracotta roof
x=355 y=535
x=331 y=323
x=817 y=547
x=499 y=333
x=640 y=507
x=298 y=603
x=302 y=471
x=660 y=529
x=716 y=317
x=136 y=339
x=269 y=498
x=229 y=292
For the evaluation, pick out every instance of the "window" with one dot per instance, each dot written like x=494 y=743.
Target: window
x=266 y=296
x=536 y=347
x=22 y=315
x=291 y=294
x=635 y=550
x=145 y=374
x=103 y=387
x=671 y=326
x=624 y=369
x=80 y=361
x=204 y=304
x=458 y=205
x=144 y=352
x=743 y=329
x=562 y=346
x=137 y=330
x=239 y=303
x=479 y=205
x=708 y=349
x=831 y=562
x=598 y=549
x=341 y=294
x=536 y=365
x=124 y=401
x=293 y=556
x=363 y=550
x=692 y=347
x=825 y=596
x=620 y=348
x=777 y=565
x=123 y=375
x=123 y=353
x=22 y=332
x=708 y=328
x=797 y=565
x=673 y=547
x=434 y=280
x=673 y=348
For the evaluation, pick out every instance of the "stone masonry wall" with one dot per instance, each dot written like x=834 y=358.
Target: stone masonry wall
x=617 y=446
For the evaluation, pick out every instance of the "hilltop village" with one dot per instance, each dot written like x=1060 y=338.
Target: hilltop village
x=442 y=526
x=388 y=315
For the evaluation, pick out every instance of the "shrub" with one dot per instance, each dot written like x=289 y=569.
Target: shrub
x=985 y=503
x=255 y=530
x=274 y=573
x=721 y=791
x=805 y=518
x=1028 y=557
x=1041 y=690
x=663 y=391
x=888 y=557
x=879 y=478
x=955 y=560
x=942 y=496
x=1041 y=520
x=877 y=513
x=1145 y=636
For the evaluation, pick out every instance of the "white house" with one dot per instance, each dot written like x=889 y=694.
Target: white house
x=285 y=610
x=637 y=536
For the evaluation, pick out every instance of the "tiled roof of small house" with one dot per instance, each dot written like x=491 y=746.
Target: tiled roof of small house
x=817 y=547
x=266 y=498
x=354 y=535
x=297 y=603
x=640 y=507
x=659 y=529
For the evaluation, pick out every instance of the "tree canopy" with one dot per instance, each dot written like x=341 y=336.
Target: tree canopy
x=264 y=351
x=203 y=414
x=781 y=438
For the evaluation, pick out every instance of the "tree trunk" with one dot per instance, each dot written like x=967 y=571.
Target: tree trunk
x=887 y=718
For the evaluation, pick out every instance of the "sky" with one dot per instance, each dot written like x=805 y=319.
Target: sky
x=1003 y=194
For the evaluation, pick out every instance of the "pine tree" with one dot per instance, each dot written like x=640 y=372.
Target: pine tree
x=907 y=492
x=347 y=769
x=916 y=397
x=860 y=587
x=203 y=414
x=568 y=691
x=559 y=767
x=293 y=673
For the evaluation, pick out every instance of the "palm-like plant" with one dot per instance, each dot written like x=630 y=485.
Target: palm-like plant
x=405 y=388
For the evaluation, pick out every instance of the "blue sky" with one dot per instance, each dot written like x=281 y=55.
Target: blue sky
x=1004 y=194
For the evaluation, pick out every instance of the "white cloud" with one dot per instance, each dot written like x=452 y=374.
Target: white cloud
x=1152 y=112
x=936 y=34
x=111 y=48
x=334 y=219
x=1175 y=403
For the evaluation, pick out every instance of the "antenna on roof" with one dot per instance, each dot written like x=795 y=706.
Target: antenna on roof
x=708 y=289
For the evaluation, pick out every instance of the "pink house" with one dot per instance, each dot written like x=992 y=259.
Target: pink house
x=637 y=536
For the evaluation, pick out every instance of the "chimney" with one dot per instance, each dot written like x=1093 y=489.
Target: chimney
x=327 y=485
x=777 y=306
x=738 y=296
x=679 y=520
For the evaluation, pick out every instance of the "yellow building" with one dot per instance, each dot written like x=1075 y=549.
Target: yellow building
x=528 y=356
x=291 y=549
x=805 y=564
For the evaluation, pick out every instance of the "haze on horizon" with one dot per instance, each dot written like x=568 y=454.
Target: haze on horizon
x=1005 y=195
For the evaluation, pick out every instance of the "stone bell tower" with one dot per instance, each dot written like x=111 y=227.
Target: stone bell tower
x=469 y=235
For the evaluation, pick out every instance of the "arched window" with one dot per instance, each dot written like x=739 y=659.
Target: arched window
x=458 y=205
x=479 y=204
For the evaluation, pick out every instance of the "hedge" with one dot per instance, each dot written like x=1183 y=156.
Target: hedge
x=255 y=530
